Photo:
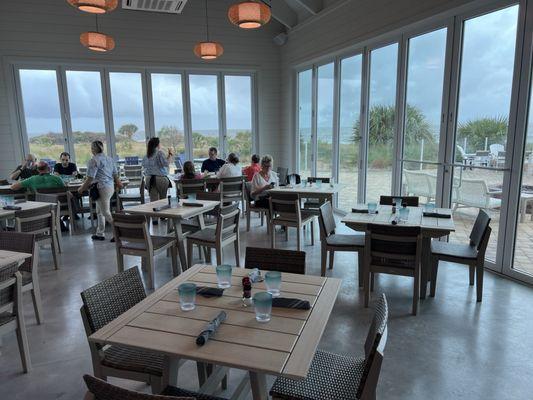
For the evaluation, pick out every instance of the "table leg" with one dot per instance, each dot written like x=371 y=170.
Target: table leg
x=181 y=248
x=173 y=367
x=425 y=274
x=258 y=384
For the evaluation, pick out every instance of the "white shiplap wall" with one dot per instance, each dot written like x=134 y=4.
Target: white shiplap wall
x=50 y=29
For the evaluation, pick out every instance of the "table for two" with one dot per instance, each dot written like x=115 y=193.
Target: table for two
x=284 y=346
x=325 y=191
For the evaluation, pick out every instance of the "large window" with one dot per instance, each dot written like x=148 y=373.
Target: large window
x=324 y=123
x=238 y=103
x=305 y=121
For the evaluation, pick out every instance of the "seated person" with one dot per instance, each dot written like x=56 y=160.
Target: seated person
x=42 y=181
x=212 y=164
x=189 y=171
x=27 y=168
x=262 y=181
x=65 y=167
x=252 y=169
x=231 y=169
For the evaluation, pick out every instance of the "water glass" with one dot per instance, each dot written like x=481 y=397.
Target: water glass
x=187 y=294
x=191 y=196
x=429 y=207
x=397 y=201
x=10 y=201
x=292 y=180
x=404 y=214
x=224 y=276
x=263 y=306
x=372 y=207
x=318 y=183
x=273 y=282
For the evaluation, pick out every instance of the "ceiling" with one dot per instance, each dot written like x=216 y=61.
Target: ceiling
x=290 y=13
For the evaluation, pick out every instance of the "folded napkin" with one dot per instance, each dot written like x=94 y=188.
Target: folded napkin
x=161 y=208
x=193 y=204
x=284 y=302
x=210 y=329
x=435 y=214
x=362 y=210
x=207 y=291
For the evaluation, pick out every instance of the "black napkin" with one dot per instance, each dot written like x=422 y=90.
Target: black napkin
x=12 y=208
x=210 y=329
x=284 y=302
x=161 y=208
x=193 y=204
x=435 y=214
x=362 y=210
x=207 y=291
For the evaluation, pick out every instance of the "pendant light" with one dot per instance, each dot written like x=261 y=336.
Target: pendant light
x=208 y=50
x=94 y=6
x=249 y=14
x=97 y=41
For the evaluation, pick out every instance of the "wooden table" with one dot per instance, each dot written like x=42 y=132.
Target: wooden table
x=325 y=191
x=431 y=227
x=8 y=258
x=176 y=214
x=284 y=346
x=25 y=205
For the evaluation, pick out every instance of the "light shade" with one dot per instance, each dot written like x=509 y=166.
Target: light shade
x=208 y=50
x=94 y=6
x=249 y=14
x=97 y=41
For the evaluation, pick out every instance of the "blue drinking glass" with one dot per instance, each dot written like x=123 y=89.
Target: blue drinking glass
x=372 y=207
x=404 y=214
x=187 y=295
x=397 y=201
x=224 y=276
x=262 y=306
x=318 y=183
x=273 y=282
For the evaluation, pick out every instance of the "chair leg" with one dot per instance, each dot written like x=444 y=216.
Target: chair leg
x=366 y=284
x=298 y=238
x=360 y=267
x=479 y=281
x=434 y=271
x=237 y=252
x=416 y=291
x=218 y=249
x=272 y=236
x=286 y=233
x=120 y=263
x=55 y=251
x=189 y=253
x=151 y=271
x=22 y=340
x=313 y=236
x=174 y=254
x=248 y=212
x=471 y=273
x=208 y=258
x=37 y=302
x=323 y=256
x=372 y=276
x=331 y=259
x=262 y=218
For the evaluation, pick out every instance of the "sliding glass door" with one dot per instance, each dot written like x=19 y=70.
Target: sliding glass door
x=305 y=122
x=324 y=120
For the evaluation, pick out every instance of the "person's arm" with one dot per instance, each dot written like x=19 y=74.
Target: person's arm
x=75 y=172
x=162 y=160
x=56 y=167
x=16 y=173
x=85 y=185
x=91 y=174
x=17 y=185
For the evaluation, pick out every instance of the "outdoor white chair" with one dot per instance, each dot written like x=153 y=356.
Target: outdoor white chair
x=474 y=193
x=421 y=184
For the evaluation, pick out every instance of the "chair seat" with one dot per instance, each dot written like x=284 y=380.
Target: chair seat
x=178 y=392
x=339 y=240
x=6 y=318
x=208 y=235
x=331 y=377
x=456 y=250
x=128 y=359
x=26 y=277
x=157 y=241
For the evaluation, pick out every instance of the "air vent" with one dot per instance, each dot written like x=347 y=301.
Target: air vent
x=165 y=6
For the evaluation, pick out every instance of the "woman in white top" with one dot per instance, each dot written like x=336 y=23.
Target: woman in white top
x=262 y=181
x=231 y=169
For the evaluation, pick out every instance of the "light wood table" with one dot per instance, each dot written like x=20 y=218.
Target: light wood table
x=431 y=227
x=8 y=257
x=325 y=191
x=284 y=346
x=176 y=214
x=25 y=205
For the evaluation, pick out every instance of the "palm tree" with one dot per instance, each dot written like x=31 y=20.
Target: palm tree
x=492 y=129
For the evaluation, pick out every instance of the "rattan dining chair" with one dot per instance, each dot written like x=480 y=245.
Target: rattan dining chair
x=252 y=207
x=226 y=232
x=332 y=241
x=285 y=210
x=104 y=302
x=275 y=260
x=99 y=389
x=12 y=313
x=132 y=197
x=394 y=250
x=409 y=201
x=25 y=243
x=41 y=222
x=336 y=376
x=472 y=254
x=59 y=202
x=132 y=237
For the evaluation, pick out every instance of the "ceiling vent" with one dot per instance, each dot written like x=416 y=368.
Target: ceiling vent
x=164 y=6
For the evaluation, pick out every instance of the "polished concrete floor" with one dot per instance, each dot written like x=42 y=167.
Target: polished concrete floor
x=454 y=349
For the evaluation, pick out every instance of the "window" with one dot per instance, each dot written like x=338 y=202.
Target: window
x=324 y=123
x=305 y=116
x=238 y=91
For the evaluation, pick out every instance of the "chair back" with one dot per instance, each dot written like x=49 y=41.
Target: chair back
x=297 y=179
x=313 y=179
x=22 y=243
x=133 y=172
x=326 y=220
x=374 y=350
x=231 y=189
x=38 y=220
x=393 y=247
x=130 y=228
x=107 y=300
x=410 y=201
x=480 y=229
x=285 y=205
x=212 y=196
x=275 y=260
x=186 y=186
x=228 y=221
x=82 y=171
x=472 y=192
x=131 y=161
x=418 y=183
x=282 y=174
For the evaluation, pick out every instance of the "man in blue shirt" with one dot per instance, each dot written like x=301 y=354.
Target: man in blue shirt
x=212 y=164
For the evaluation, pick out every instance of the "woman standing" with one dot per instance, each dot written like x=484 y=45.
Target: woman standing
x=262 y=181
x=102 y=176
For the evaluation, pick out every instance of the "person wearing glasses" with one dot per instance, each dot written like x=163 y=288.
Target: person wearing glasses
x=65 y=167
x=262 y=181
x=26 y=169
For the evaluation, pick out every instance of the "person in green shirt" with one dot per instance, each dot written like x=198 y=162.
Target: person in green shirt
x=42 y=181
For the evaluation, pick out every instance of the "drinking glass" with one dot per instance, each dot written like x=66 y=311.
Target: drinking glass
x=224 y=276
x=187 y=295
x=273 y=282
x=292 y=180
x=429 y=207
x=404 y=214
x=191 y=196
x=397 y=201
x=318 y=183
x=263 y=306
x=372 y=207
x=10 y=201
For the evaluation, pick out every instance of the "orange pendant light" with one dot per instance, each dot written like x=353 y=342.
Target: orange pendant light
x=94 y=6
x=97 y=41
x=249 y=14
x=208 y=50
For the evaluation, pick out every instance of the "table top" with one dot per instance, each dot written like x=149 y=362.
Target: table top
x=179 y=211
x=8 y=257
x=25 y=205
x=283 y=346
x=324 y=189
x=416 y=218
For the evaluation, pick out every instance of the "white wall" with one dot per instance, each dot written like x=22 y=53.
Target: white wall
x=50 y=29
x=344 y=25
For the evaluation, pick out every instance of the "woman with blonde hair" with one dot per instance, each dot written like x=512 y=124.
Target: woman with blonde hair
x=262 y=181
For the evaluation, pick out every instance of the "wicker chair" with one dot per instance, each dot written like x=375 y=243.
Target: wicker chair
x=101 y=390
x=393 y=250
x=131 y=197
x=472 y=254
x=11 y=311
x=275 y=260
x=332 y=242
x=134 y=173
x=56 y=200
x=132 y=237
x=251 y=207
x=285 y=211
x=41 y=222
x=25 y=243
x=336 y=376
x=104 y=302
x=410 y=201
